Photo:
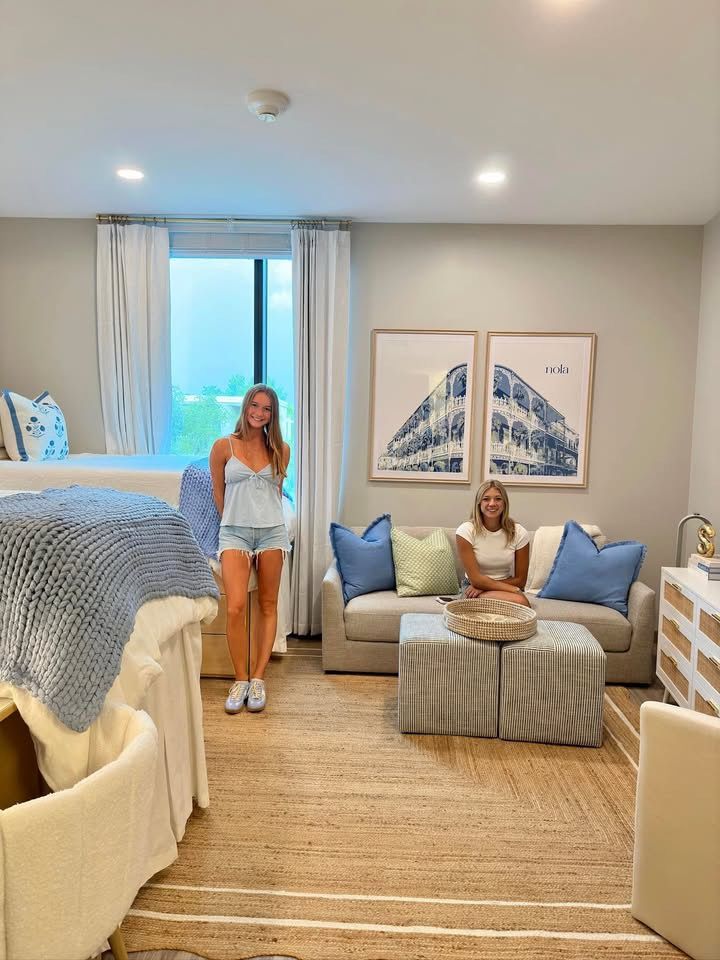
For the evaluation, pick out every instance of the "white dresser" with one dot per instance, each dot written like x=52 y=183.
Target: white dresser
x=688 y=656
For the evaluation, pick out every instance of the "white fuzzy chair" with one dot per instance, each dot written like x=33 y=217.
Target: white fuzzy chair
x=72 y=862
x=676 y=868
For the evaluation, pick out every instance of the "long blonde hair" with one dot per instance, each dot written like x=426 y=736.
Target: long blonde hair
x=508 y=524
x=272 y=432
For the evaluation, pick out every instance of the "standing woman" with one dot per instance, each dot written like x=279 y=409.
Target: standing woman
x=493 y=548
x=248 y=469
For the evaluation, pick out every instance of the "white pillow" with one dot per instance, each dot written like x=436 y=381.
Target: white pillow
x=33 y=429
x=3 y=452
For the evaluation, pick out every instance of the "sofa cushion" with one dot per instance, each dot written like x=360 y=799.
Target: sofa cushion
x=610 y=628
x=423 y=567
x=586 y=573
x=376 y=616
x=365 y=562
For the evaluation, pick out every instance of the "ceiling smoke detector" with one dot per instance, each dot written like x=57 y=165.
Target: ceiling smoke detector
x=267 y=105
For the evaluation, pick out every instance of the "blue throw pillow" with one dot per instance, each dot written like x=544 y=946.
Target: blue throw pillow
x=587 y=573
x=365 y=563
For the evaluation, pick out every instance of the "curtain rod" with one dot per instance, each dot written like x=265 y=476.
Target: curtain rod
x=143 y=218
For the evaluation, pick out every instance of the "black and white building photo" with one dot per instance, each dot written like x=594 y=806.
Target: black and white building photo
x=431 y=439
x=528 y=436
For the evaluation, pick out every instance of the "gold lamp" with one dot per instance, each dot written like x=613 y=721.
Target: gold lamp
x=706 y=536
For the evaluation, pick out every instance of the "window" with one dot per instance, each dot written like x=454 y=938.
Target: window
x=231 y=326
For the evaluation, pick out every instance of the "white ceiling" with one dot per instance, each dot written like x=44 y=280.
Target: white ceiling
x=601 y=111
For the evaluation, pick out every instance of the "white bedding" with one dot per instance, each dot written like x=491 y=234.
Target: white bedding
x=157 y=475
x=160 y=673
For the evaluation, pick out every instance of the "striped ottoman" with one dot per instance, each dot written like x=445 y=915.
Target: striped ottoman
x=552 y=687
x=446 y=683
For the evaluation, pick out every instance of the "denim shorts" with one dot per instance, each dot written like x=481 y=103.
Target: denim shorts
x=253 y=539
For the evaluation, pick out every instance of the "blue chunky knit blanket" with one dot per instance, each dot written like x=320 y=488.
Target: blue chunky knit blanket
x=76 y=565
x=198 y=506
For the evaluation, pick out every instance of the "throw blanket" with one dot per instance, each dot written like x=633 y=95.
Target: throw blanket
x=198 y=507
x=542 y=554
x=76 y=565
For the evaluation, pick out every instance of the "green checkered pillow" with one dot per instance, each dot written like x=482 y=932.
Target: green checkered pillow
x=423 y=567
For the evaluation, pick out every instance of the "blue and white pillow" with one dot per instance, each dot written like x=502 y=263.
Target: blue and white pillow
x=33 y=429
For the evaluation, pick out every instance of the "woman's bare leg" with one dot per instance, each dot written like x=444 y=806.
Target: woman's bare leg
x=236 y=573
x=518 y=598
x=269 y=571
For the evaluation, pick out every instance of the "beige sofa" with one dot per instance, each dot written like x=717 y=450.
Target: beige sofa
x=362 y=636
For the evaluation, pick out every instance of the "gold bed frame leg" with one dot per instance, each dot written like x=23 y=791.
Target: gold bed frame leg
x=117 y=945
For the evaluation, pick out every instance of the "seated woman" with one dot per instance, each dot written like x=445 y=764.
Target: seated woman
x=494 y=550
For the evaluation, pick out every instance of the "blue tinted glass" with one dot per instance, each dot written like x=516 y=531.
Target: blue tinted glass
x=212 y=348
x=211 y=343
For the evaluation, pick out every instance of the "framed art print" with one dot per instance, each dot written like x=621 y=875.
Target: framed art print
x=421 y=405
x=538 y=402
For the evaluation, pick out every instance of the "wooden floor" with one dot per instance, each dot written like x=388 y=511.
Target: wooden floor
x=295 y=646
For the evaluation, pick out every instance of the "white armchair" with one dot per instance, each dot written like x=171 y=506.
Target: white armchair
x=676 y=870
x=71 y=863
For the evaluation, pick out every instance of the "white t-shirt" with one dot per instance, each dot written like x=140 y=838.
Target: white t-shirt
x=495 y=557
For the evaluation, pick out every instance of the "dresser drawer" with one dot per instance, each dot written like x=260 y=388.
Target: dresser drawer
x=676 y=632
x=708 y=666
x=677 y=598
x=20 y=778
x=673 y=672
x=705 y=698
x=709 y=625
x=216 y=660
x=219 y=624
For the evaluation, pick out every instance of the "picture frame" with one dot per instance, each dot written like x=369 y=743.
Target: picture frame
x=538 y=408
x=421 y=405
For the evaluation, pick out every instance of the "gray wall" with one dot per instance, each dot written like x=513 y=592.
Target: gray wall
x=705 y=463
x=636 y=287
x=48 y=339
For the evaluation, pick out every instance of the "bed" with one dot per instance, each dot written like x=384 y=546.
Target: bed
x=159 y=668
x=159 y=674
x=157 y=475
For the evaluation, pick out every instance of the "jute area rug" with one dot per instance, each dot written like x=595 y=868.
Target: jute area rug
x=331 y=836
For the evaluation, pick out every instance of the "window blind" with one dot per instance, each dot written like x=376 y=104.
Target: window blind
x=233 y=240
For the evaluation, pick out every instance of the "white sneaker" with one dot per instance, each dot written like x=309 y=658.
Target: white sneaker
x=257 y=698
x=237 y=696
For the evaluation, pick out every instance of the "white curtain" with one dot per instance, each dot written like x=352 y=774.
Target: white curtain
x=321 y=275
x=133 y=323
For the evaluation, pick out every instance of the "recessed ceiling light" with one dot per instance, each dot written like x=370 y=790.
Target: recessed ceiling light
x=492 y=177
x=127 y=173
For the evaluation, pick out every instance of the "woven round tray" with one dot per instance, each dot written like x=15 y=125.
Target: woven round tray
x=490 y=619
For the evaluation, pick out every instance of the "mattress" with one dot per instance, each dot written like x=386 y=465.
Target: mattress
x=157 y=475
